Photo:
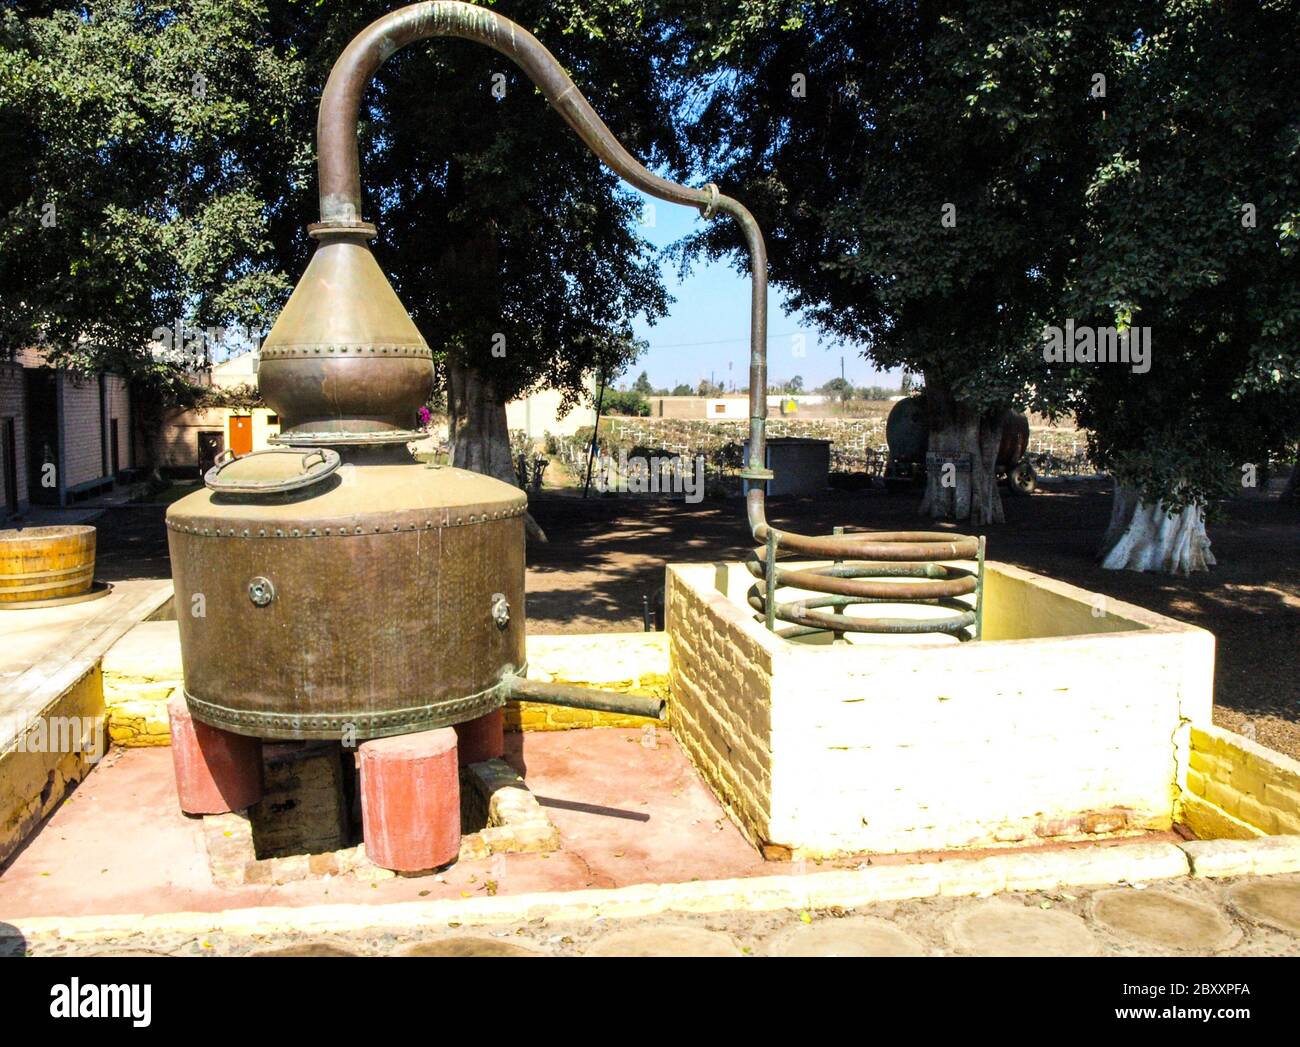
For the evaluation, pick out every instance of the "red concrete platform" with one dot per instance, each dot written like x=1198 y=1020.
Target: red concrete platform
x=626 y=813
x=410 y=800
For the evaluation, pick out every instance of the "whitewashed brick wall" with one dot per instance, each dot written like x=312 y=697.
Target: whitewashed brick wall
x=899 y=747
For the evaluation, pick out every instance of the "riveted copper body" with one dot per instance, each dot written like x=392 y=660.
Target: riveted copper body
x=344 y=362
x=364 y=605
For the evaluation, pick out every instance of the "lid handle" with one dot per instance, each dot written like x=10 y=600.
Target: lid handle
x=314 y=466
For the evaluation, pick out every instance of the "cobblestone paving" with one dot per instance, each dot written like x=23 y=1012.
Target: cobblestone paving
x=1247 y=916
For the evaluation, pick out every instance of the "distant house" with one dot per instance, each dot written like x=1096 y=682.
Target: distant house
x=191 y=438
x=63 y=435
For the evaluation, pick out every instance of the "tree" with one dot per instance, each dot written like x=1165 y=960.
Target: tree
x=625 y=401
x=642 y=384
x=915 y=168
x=1192 y=233
x=683 y=390
x=795 y=384
x=838 y=389
x=145 y=153
x=176 y=142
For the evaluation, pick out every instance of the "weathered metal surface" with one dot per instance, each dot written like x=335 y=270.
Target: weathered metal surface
x=387 y=622
x=344 y=362
x=271 y=471
x=848 y=582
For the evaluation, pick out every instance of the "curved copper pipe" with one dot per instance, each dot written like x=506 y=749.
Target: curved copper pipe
x=340 y=206
x=340 y=177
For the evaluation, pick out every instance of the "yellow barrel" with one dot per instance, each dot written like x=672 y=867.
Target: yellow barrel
x=46 y=563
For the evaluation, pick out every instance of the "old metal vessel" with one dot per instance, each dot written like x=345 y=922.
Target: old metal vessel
x=379 y=597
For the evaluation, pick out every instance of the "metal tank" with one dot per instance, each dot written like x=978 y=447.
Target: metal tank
x=320 y=593
x=336 y=585
x=907 y=432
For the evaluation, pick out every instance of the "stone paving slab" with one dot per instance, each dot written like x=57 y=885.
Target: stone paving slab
x=1247 y=916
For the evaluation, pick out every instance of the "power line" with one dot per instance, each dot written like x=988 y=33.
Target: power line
x=719 y=341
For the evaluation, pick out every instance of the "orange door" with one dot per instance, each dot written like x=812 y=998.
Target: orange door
x=241 y=433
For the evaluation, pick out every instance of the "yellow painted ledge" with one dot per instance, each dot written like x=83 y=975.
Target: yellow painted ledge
x=1237 y=789
x=143 y=669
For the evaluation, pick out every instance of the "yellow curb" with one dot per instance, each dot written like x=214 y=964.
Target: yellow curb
x=847 y=889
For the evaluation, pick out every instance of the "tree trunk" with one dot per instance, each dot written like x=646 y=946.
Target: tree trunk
x=963 y=485
x=476 y=414
x=1292 y=488
x=1144 y=537
x=477 y=429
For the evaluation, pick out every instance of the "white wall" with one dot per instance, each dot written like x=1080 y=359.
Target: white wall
x=538 y=415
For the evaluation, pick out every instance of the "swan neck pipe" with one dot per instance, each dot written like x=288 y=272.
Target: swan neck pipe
x=340 y=173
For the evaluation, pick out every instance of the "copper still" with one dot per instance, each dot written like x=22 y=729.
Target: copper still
x=334 y=586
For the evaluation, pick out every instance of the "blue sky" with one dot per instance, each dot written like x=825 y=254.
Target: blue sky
x=706 y=331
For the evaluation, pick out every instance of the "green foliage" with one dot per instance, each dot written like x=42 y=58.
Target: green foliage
x=175 y=142
x=144 y=160
x=1202 y=123
x=1061 y=201
x=238 y=397
x=907 y=116
x=683 y=390
x=626 y=402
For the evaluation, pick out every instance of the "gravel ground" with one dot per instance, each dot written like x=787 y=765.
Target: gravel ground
x=1205 y=917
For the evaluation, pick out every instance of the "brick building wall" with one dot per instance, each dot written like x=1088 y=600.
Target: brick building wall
x=83 y=449
x=118 y=402
x=13 y=405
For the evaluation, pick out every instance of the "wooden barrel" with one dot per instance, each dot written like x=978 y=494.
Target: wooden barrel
x=46 y=563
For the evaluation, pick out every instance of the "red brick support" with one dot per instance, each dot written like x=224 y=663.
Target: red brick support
x=410 y=800
x=482 y=739
x=216 y=771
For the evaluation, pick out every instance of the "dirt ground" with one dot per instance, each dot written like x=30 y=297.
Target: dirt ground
x=603 y=564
